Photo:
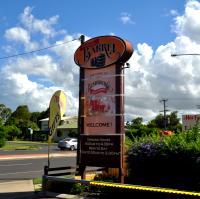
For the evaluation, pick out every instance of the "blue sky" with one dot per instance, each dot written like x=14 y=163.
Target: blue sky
x=147 y=21
x=155 y=28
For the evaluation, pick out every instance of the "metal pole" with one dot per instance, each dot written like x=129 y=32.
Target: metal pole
x=183 y=54
x=164 y=111
x=165 y=119
x=48 y=153
x=79 y=167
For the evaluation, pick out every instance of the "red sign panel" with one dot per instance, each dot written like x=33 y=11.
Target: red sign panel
x=99 y=98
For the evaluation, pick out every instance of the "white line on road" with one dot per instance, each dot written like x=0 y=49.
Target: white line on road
x=23 y=172
x=13 y=165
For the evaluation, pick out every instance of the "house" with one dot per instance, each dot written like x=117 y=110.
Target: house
x=68 y=127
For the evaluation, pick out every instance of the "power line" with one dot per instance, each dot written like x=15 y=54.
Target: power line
x=33 y=51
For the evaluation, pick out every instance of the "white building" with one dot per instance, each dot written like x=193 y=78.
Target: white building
x=68 y=127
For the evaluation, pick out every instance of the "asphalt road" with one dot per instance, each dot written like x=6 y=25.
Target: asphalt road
x=29 y=168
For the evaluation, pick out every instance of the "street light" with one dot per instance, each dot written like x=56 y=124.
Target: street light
x=182 y=54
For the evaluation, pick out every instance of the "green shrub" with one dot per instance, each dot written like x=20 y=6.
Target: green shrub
x=166 y=161
x=12 y=132
x=128 y=142
x=77 y=188
x=2 y=137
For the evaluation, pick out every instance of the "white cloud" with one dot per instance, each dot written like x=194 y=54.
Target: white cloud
x=44 y=26
x=28 y=78
x=20 y=35
x=173 y=12
x=19 y=90
x=188 y=24
x=17 y=34
x=153 y=75
x=126 y=18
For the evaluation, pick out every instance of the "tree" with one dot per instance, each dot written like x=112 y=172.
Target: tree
x=5 y=113
x=12 y=132
x=137 y=129
x=44 y=114
x=22 y=113
x=137 y=121
x=173 y=122
x=21 y=119
x=2 y=136
x=35 y=117
x=173 y=118
x=134 y=123
x=157 y=122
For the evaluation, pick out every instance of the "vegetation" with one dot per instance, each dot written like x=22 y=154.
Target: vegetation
x=153 y=159
x=15 y=125
x=166 y=161
x=135 y=129
x=20 y=145
x=2 y=137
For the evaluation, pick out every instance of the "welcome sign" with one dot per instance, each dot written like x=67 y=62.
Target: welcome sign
x=101 y=111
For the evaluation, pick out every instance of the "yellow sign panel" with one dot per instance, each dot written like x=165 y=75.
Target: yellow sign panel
x=57 y=110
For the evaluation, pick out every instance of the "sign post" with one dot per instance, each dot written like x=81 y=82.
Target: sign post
x=31 y=133
x=101 y=107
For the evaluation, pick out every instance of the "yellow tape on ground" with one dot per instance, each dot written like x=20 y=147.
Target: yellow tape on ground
x=143 y=188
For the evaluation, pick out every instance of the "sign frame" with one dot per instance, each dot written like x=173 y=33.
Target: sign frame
x=114 y=54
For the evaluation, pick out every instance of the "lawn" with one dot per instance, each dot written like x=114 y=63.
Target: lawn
x=21 y=145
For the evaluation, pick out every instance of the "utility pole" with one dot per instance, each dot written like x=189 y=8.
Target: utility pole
x=164 y=111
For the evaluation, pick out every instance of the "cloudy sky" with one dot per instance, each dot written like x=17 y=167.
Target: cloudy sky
x=155 y=28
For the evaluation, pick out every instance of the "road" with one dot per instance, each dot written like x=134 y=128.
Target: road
x=29 y=164
x=30 y=168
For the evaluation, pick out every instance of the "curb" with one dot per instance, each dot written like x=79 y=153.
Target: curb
x=35 y=156
x=66 y=196
x=63 y=196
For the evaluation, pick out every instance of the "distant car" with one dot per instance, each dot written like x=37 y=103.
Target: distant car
x=68 y=143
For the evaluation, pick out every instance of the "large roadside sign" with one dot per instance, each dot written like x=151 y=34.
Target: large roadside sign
x=101 y=108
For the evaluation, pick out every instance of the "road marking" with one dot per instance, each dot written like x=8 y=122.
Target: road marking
x=23 y=172
x=12 y=165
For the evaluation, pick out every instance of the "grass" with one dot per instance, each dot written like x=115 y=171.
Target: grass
x=9 y=147
x=26 y=142
x=21 y=145
x=37 y=182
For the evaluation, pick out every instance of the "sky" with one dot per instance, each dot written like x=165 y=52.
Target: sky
x=155 y=28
